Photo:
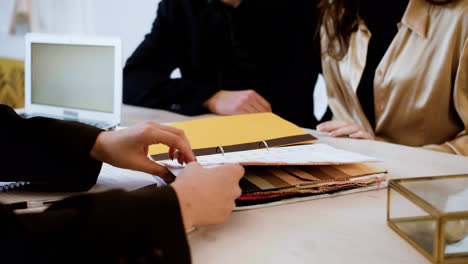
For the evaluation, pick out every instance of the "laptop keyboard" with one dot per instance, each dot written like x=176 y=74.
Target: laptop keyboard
x=98 y=124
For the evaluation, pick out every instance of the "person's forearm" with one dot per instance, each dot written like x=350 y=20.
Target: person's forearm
x=147 y=89
x=112 y=224
x=47 y=151
x=458 y=146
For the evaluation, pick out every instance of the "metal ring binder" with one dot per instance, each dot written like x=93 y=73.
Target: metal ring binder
x=221 y=148
x=264 y=143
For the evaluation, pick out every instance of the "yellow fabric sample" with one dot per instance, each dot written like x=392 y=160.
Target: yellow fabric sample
x=233 y=130
x=12 y=83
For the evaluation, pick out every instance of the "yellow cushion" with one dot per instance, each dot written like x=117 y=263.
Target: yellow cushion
x=12 y=83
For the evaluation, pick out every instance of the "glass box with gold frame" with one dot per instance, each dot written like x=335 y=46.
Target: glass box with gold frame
x=431 y=213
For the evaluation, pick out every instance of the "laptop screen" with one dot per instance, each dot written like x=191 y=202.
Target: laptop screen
x=73 y=76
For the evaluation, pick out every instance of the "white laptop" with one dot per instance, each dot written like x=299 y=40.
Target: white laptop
x=74 y=78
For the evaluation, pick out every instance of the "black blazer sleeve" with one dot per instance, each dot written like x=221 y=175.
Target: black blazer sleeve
x=113 y=227
x=147 y=72
x=47 y=152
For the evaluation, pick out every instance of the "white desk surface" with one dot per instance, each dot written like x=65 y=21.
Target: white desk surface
x=344 y=229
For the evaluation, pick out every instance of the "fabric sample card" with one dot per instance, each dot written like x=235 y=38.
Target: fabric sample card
x=263 y=184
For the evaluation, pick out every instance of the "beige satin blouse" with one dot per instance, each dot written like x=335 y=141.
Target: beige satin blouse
x=421 y=84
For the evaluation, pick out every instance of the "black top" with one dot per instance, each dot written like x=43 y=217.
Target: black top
x=281 y=63
x=144 y=226
x=238 y=35
x=383 y=27
x=48 y=153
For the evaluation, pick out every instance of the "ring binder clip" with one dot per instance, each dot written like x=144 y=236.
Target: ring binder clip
x=264 y=143
x=221 y=148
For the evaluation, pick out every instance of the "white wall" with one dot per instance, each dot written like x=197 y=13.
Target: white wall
x=129 y=20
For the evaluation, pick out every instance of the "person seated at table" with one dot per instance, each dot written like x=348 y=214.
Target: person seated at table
x=146 y=226
x=234 y=56
x=397 y=71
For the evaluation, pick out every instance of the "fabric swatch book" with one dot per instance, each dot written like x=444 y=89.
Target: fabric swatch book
x=282 y=165
x=272 y=185
x=262 y=185
x=236 y=133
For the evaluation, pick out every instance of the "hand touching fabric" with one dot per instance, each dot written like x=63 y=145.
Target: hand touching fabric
x=344 y=129
x=128 y=148
x=237 y=102
x=207 y=195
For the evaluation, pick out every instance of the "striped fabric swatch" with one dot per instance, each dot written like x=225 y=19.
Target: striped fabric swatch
x=262 y=184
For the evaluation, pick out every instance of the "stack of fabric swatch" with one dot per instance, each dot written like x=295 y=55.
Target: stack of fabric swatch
x=267 y=184
x=282 y=160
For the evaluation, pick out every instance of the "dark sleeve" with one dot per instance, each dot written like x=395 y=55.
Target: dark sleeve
x=144 y=226
x=147 y=72
x=47 y=152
